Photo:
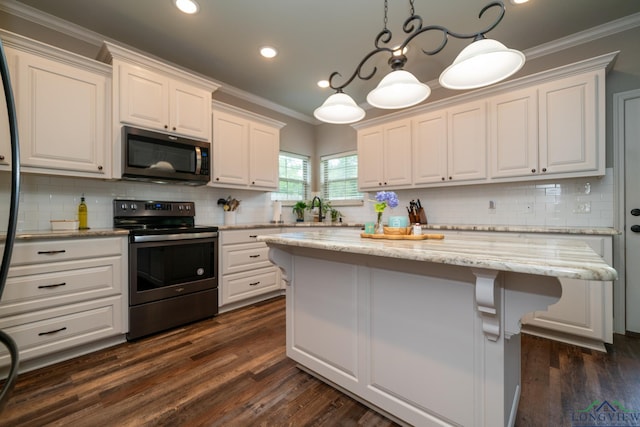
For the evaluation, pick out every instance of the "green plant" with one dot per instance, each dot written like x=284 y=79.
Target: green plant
x=299 y=208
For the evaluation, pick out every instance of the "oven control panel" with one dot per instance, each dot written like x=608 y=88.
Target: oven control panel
x=138 y=208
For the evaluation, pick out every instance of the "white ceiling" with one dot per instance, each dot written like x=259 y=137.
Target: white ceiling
x=316 y=37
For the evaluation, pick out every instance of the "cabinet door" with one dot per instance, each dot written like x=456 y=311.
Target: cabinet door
x=144 y=97
x=569 y=124
x=5 y=135
x=397 y=154
x=230 y=149
x=370 y=158
x=264 y=148
x=467 y=148
x=584 y=314
x=190 y=110
x=430 y=148
x=513 y=134
x=62 y=115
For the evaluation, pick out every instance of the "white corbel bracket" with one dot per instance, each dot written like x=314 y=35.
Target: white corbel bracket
x=488 y=301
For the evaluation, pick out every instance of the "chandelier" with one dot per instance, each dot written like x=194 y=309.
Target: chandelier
x=482 y=63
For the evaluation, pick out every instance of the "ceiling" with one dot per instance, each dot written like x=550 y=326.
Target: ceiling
x=315 y=38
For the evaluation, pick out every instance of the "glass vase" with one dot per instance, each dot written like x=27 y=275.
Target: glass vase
x=379 y=227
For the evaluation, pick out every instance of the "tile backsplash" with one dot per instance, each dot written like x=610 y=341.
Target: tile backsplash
x=586 y=202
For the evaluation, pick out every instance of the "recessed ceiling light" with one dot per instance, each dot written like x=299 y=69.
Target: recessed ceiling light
x=323 y=84
x=518 y=1
x=187 y=6
x=268 y=51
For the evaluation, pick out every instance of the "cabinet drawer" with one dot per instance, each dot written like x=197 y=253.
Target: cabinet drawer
x=244 y=257
x=34 y=287
x=229 y=237
x=62 y=250
x=237 y=287
x=48 y=331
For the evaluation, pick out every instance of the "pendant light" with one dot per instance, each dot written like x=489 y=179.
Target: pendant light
x=339 y=108
x=482 y=63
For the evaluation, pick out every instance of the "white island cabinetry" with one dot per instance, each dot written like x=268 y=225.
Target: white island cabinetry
x=64 y=298
x=421 y=329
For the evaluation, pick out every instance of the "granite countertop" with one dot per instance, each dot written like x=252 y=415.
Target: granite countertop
x=600 y=231
x=68 y=234
x=540 y=256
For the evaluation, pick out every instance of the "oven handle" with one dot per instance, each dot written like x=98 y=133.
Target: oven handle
x=177 y=236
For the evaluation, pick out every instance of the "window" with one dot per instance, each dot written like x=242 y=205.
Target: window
x=294 y=178
x=340 y=177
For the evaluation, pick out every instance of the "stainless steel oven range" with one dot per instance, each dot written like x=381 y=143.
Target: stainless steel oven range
x=173 y=267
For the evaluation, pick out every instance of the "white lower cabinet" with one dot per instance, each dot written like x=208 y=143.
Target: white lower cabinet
x=246 y=273
x=63 y=297
x=584 y=314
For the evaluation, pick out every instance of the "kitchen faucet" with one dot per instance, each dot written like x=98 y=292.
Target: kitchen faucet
x=320 y=217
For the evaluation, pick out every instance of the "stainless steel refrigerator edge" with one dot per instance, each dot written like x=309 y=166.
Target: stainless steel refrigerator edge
x=13 y=219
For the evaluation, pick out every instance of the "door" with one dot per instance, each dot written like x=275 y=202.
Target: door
x=631 y=135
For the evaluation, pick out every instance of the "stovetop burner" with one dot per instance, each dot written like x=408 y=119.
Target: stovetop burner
x=156 y=217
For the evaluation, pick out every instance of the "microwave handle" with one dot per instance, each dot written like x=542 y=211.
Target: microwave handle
x=198 y=160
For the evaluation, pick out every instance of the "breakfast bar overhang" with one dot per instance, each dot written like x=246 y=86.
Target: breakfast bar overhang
x=425 y=331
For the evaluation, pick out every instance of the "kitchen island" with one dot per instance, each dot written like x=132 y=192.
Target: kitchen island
x=425 y=331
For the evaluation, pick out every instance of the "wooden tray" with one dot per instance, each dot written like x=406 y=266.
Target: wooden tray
x=403 y=236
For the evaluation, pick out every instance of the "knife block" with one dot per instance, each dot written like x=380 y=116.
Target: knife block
x=420 y=217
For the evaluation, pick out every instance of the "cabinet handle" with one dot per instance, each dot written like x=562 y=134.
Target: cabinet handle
x=253 y=236
x=385 y=183
x=166 y=126
x=99 y=167
x=450 y=178
x=218 y=179
x=254 y=256
x=443 y=178
x=544 y=169
x=1 y=157
x=174 y=128
x=254 y=284
x=380 y=184
x=55 y=285
x=64 y=328
x=61 y=251
x=533 y=171
x=253 y=183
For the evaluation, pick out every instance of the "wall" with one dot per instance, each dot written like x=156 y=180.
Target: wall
x=44 y=198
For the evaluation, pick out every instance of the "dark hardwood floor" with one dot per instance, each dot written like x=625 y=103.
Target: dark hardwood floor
x=232 y=371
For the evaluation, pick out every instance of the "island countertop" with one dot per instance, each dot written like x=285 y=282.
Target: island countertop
x=540 y=256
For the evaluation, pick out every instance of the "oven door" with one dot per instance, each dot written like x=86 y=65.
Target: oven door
x=168 y=268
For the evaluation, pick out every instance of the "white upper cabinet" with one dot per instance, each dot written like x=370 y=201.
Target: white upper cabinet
x=63 y=107
x=384 y=156
x=430 y=148
x=155 y=101
x=551 y=129
x=5 y=134
x=572 y=124
x=246 y=148
x=450 y=145
x=467 y=142
x=513 y=134
x=550 y=124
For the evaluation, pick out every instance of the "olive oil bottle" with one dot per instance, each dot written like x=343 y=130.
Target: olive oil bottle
x=82 y=214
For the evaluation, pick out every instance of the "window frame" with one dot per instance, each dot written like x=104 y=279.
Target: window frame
x=306 y=185
x=355 y=201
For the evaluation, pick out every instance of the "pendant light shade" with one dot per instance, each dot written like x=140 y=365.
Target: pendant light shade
x=482 y=63
x=339 y=108
x=398 y=89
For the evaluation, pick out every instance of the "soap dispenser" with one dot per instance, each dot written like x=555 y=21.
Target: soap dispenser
x=82 y=214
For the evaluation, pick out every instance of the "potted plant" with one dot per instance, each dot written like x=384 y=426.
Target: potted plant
x=298 y=209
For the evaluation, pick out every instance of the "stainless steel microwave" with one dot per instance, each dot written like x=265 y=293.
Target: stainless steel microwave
x=158 y=157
